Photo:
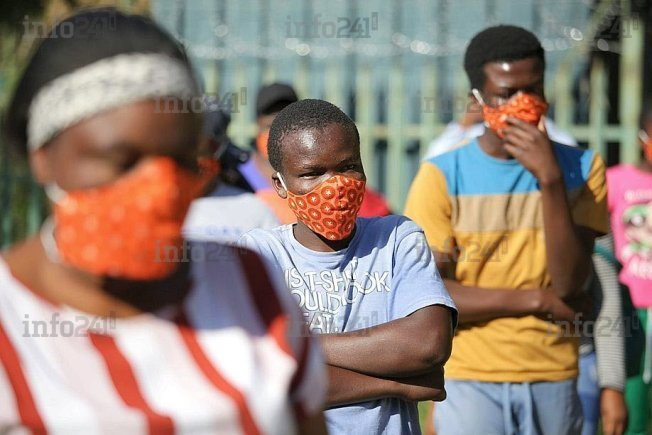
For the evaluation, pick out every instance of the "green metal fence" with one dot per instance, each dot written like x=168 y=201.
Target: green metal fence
x=407 y=141
x=394 y=127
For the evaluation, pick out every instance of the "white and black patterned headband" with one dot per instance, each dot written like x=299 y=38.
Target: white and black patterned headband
x=106 y=84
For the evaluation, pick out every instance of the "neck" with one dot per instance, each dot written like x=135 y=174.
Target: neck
x=316 y=242
x=493 y=145
x=92 y=294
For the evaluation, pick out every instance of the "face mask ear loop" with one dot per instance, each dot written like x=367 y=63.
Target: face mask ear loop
x=481 y=102
x=280 y=178
x=478 y=96
x=54 y=192
x=48 y=242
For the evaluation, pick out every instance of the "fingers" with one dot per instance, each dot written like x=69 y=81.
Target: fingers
x=542 y=126
x=563 y=312
x=518 y=137
x=515 y=122
x=608 y=426
x=613 y=426
x=620 y=428
x=514 y=150
x=521 y=133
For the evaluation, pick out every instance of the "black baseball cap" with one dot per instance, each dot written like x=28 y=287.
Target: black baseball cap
x=274 y=98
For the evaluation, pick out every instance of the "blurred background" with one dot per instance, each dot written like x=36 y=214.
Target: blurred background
x=395 y=66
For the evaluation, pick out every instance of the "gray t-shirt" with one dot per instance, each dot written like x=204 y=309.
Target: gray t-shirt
x=383 y=275
x=225 y=215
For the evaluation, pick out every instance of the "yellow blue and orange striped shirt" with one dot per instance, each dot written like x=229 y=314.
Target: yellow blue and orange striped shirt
x=486 y=215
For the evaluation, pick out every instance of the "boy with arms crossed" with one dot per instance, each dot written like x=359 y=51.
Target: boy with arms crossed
x=384 y=316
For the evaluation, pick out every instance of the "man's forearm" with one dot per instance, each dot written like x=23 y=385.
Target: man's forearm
x=347 y=386
x=569 y=260
x=483 y=304
x=403 y=347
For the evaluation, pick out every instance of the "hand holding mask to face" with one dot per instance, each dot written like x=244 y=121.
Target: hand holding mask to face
x=526 y=107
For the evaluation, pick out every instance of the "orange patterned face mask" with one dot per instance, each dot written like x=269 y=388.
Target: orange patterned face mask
x=261 y=143
x=331 y=207
x=526 y=107
x=122 y=229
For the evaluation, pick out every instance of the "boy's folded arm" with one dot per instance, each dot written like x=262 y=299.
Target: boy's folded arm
x=408 y=346
x=347 y=387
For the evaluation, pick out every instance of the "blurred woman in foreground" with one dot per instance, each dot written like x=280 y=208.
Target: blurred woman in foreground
x=100 y=332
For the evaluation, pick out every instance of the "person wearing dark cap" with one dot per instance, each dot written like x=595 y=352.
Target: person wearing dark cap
x=271 y=99
x=218 y=155
x=228 y=211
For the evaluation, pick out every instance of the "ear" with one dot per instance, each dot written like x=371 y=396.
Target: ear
x=38 y=161
x=278 y=186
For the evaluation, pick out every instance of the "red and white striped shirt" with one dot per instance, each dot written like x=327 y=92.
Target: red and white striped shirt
x=226 y=365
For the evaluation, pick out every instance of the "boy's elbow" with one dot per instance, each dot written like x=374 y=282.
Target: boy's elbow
x=436 y=350
x=432 y=342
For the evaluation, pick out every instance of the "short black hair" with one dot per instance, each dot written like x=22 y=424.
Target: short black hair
x=499 y=44
x=305 y=115
x=55 y=57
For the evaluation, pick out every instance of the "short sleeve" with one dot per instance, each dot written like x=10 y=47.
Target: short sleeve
x=247 y=241
x=428 y=205
x=590 y=209
x=416 y=282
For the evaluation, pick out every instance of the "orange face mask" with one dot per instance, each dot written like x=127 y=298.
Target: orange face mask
x=526 y=107
x=261 y=143
x=122 y=229
x=330 y=208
